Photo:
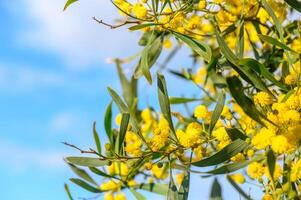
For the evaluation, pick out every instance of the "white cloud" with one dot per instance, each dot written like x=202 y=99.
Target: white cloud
x=73 y=34
x=65 y=122
x=16 y=78
x=21 y=158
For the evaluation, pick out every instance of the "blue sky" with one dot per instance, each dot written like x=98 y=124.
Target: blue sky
x=53 y=79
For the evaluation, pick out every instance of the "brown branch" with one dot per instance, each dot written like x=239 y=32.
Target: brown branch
x=115 y=26
x=81 y=150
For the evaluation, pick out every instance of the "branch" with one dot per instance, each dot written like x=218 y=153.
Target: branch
x=115 y=26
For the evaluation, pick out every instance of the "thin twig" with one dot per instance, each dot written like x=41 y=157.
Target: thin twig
x=114 y=26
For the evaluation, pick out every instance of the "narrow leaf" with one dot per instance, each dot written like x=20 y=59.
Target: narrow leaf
x=180 y=100
x=82 y=174
x=86 y=161
x=236 y=90
x=68 y=191
x=108 y=122
x=123 y=128
x=271 y=162
x=99 y=172
x=238 y=189
x=137 y=195
x=96 y=138
x=223 y=155
x=85 y=185
x=164 y=101
x=235 y=134
x=216 y=190
x=294 y=4
x=217 y=110
x=199 y=47
x=68 y=3
x=275 y=42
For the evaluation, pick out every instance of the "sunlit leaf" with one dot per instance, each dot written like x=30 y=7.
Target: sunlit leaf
x=82 y=174
x=198 y=46
x=96 y=138
x=236 y=90
x=217 y=110
x=137 y=195
x=275 y=42
x=68 y=3
x=180 y=100
x=85 y=185
x=223 y=155
x=86 y=161
x=108 y=122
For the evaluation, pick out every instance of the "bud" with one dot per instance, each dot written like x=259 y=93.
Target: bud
x=108 y=146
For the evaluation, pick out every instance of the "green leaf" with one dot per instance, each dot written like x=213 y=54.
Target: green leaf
x=275 y=42
x=184 y=188
x=241 y=43
x=149 y=56
x=99 y=172
x=228 y=168
x=108 y=122
x=236 y=90
x=294 y=4
x=271 y=162
x=172 y=193
x=85 y=185
x=164 y=101
x=238 y=189
x=235 y=134
x=277 y=23
x=157 y=188
x=68 y=191
x=223 y=155
x=180 y=100
x=199 y=47
x=137 y=195
x=217 y=110
x=86 y=161
x=119 y=102
x=216 y=190
x=68 y=3
x=226 y=51
x=123 y=128
x=140 y=26
x=262 y=70
x=96 y=138
x=82 y=174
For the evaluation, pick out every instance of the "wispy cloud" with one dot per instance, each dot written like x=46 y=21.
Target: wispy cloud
x=21 y=158
x=14 y=77
x=73 y=34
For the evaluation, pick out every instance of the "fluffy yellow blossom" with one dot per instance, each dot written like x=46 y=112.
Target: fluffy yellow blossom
x=226 y=113
x=120 y=196
x=267 y=197
x=263 y=138
x=161 y=134
x=167 y=44
x=146 y=115
x=290 y=79
x=201 y=112
x=255 y=170
x=250 y=152
x=110 y=186
x=296 y=170
x=202 y=4
x=191 y=136
x=238 y=178
x=238 y=157
x=221 y=136
x=139 y=11
x=118 y=119
x=133 y=144
x=263 y=99
x=280 y=144
x=108 y=196
x=119 y=168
